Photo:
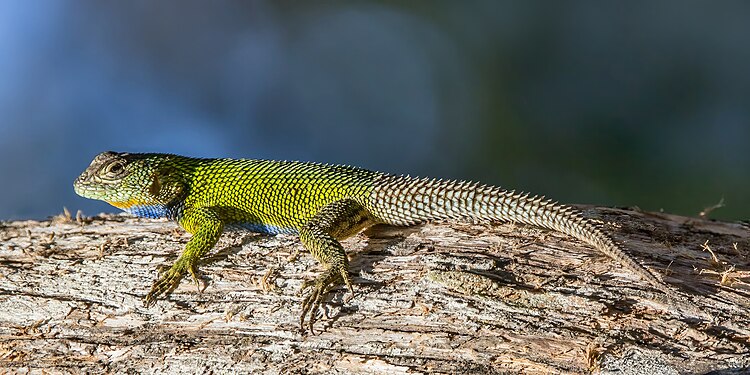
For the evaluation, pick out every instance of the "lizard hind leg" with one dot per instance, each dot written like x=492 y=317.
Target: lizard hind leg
x=321 y=235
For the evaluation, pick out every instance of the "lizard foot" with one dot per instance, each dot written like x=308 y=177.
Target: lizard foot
x=169 y=280
x=320 y=287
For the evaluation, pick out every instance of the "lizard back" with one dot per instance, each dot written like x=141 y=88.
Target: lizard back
x=273 y=196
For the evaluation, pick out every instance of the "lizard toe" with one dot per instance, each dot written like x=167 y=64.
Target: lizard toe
x=167 y=282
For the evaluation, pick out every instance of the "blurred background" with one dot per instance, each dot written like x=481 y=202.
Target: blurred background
x=601 y=102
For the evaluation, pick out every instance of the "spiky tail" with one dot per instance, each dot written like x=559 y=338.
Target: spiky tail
x=403 y=200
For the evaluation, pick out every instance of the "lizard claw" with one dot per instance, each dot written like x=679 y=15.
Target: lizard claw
x=320 y=287
x=348 y=283
x=311 y=304
x=167 y=282
x=196 y=279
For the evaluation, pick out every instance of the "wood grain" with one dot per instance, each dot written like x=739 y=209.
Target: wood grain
x=438 y=298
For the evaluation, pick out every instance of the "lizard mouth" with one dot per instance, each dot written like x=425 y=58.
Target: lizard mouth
x=85 y=189
x=126 y=204
x=79 y=186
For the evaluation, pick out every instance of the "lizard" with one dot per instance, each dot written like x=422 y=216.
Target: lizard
x=321 y=203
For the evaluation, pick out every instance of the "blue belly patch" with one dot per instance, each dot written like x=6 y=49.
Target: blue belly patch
x=153 y=212
x=159 y=211
x=265 y=228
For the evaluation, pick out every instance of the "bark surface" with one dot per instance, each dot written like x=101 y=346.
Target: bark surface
x=437 y=298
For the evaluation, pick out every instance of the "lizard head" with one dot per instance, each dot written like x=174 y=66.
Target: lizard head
x=137 y=183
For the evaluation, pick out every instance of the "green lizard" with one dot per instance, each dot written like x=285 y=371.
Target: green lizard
x=321 y=203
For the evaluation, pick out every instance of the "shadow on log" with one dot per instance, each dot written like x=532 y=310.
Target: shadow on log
x=437 y=298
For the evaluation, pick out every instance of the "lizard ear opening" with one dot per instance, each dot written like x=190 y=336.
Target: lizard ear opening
x=165 y=188
x=155 y=187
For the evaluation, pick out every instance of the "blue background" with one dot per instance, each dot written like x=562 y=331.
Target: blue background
x=643 y=103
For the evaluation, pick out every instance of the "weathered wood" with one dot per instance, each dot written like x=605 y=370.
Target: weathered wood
x=438 y=298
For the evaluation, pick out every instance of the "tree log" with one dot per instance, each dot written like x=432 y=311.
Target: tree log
x=437 y=298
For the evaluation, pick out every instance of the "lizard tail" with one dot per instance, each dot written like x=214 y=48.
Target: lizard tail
x=403 y=200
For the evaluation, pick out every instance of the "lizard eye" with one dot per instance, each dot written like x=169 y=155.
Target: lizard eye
x=114 y=168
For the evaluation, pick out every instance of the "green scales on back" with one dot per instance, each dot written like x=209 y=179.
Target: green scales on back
x=271 y=196
x=322 y=203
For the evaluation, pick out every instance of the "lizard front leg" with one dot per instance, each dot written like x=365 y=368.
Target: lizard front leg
x=321 y=235
x=206 y=227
